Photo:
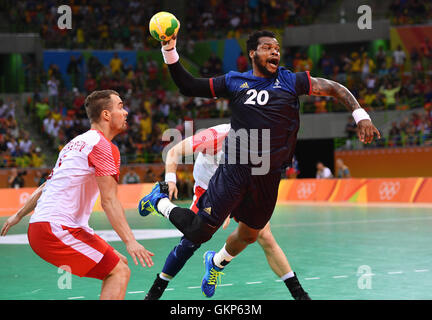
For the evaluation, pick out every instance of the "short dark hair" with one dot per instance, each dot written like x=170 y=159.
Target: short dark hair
x=252 y=41
x=96 y=102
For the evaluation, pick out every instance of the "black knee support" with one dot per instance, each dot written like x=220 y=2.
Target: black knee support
x=193 y=226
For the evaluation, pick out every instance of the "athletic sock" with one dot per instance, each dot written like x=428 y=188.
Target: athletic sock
x=288 y=275
x=163 y=277
x=165 y=206
x=157 y=289
x=295 y=288
x=222 y=258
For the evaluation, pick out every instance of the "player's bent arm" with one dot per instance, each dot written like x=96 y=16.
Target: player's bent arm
x=28 y=207
x=187 y=83
x=325 y=87
x=113 y=208
x=31 y=202
x=183 y=148
x=116 y=216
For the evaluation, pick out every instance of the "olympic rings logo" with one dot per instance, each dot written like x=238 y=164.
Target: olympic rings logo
x=387 y=190
x=24 y=197
x=304 y=190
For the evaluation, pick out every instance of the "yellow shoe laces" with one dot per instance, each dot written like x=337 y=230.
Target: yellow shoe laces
x=215 y=277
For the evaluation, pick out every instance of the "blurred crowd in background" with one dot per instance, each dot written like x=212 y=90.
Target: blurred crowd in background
x=387 y=80
x=104 y=24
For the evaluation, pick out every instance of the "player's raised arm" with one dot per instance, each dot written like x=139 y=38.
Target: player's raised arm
x=186 y=82
x=28 y=207
x=325 y=87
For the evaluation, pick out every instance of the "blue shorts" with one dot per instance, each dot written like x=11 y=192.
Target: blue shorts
x=234 y=190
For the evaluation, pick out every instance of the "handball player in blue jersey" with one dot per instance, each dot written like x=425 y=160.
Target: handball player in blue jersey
x=265 y=107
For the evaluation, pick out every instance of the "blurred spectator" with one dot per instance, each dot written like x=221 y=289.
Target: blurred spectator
x=242 y=63
x=323 y=172
x=15 y=179
x=389 y=92
x=74 y=71
x=90 y=83
x=149 y=176
x=342 y=170
x=399 y=58
x=53 y=91
x=115 y=64
x=131 y=177
x=292 y=171
x=351 y=128
x=326 y=63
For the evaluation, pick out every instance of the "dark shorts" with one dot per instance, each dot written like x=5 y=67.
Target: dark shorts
x=233 y=189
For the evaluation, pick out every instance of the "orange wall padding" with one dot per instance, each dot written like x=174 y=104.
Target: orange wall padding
x=388 y=162
x=354 y=190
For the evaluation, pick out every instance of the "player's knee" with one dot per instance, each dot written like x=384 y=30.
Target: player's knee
x=266 y=239
x=199 y=236
x=249 y=238
x=199 y=231
x=121 y=271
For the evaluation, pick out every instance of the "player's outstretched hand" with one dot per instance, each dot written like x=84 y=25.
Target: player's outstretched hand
x=170 y=44
x=138 y=252
x=366 y=131
x=13 y=220
x=172 y=190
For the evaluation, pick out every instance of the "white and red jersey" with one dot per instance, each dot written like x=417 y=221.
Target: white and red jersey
x=71 y=191
x=208 y=143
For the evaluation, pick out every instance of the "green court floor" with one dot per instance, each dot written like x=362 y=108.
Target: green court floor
x=337 y=253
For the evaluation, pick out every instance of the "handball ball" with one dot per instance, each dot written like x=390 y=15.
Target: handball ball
x=163 y=26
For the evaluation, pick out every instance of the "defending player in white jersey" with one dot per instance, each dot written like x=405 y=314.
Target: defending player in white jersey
x=88 y=165
x=208 y=145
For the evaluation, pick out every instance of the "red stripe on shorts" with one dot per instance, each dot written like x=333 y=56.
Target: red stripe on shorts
x=198 y=193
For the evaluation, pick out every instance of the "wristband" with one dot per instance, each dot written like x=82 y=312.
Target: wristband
x=360 y=114
x=170 y=56
x=170 y=177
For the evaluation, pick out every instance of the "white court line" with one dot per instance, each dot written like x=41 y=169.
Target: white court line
x=395 y=272
x=225 y=285
x=169 y=289
x=133 y=292
x=342 y=276
x=256 y=282
x=314 y=278
x=194 y=287
x=80 y=297
x=421 y=270
x=278 y=280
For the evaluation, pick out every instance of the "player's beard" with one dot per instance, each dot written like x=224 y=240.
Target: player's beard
x=261 y=67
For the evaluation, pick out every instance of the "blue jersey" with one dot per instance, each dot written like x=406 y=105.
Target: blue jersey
x=264 y=103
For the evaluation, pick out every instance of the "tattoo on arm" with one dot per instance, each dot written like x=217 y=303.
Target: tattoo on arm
x=325 y=87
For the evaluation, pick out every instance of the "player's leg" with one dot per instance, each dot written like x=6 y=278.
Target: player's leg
x=214 y=262
x=238 y=240
x=82 y=254
x=115 y=284
x=279 y=263
x=194 y=227
x=175 y=261
x=252 y=213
